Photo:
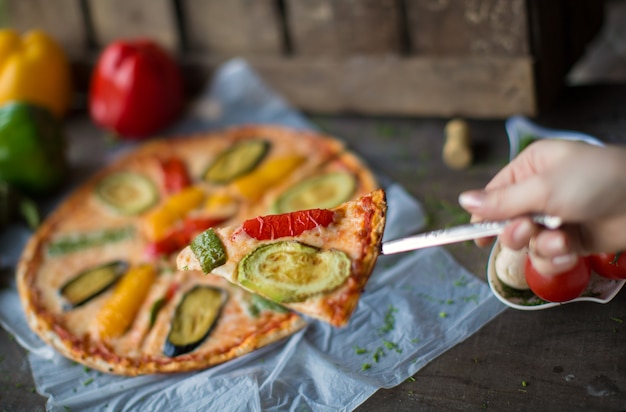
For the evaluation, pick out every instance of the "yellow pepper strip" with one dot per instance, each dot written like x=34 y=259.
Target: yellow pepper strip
x=254 y=184
x=118 y=312
x=158 y=222
x=34 y=69
x=221 y=205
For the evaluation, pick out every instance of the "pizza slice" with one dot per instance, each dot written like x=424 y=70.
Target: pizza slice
x=315 y=261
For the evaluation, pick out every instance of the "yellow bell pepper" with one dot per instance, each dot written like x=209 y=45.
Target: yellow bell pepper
x=119 y=311
x=34 y=69
x=159 y=222
x=254 y=184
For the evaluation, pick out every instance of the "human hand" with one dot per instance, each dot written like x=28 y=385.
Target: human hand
x=585 y=185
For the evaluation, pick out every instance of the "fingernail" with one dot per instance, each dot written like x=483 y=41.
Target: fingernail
x=522 y=231
x=555 y=245
x=565 y=260
x=472 y=199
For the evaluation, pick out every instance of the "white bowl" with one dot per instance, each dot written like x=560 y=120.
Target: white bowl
x=520 y=130
x=600 y=290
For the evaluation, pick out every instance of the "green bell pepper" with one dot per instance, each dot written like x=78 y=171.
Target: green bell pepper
x=32 y=148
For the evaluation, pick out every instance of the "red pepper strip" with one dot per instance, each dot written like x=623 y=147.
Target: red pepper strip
x=194 y=225
x=175 y=175
x=287 y=224
x=171 y=243
x=180 y=237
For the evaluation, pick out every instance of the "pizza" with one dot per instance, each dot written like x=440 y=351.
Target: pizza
x=98 y=280
x=314 y=261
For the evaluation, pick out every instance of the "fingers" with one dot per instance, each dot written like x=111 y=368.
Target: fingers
x=506 y=202
x=553 y=251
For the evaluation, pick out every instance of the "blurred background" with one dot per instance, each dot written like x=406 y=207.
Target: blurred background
x=473 y=58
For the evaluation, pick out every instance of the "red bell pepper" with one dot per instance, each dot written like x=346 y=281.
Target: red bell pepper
x=136 y=89
x=287 y=224
x=181 y=236
x=175 y=175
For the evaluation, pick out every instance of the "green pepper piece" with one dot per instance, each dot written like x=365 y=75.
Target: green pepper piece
x=32 y=148
x=209 y=250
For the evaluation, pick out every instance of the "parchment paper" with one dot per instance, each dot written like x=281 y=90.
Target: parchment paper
x=416 y=306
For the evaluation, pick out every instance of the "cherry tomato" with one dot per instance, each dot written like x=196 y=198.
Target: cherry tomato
x=560 y=287
x=287 y=224
x=609 y=265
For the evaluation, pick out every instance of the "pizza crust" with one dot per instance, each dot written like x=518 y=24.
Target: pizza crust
x=139 y=350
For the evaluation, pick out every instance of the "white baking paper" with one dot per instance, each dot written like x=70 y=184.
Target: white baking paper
x=416 y=306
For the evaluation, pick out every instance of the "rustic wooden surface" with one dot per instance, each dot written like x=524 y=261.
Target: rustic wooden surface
x=482 y=27
x=63 y=19
x=234 y=27
x=564 y=359
x=344 y=28
x=476 y=58
x=119 y=19
x=474 y=86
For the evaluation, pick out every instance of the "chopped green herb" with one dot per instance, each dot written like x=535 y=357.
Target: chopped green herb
x=390 y=320
x=385 y=130
x=443 y=315
x=359 y=350
x=392 y=345
x=88 y=382
x=86 y=369
x=365 y=366
x=462 y=281
x=378 y=354
x=411 y=379
x=471 y=298
x=618 y=320
x=525 y=141
x=524 y=384
x=416 y=340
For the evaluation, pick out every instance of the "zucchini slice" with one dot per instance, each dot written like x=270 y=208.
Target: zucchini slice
x=90 y=283
x=291 y=271
x=193 y=320
x=319 y=192
x=127 y=193
x=236 y=161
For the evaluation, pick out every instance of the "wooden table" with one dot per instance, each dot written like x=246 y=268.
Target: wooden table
x=564 y=359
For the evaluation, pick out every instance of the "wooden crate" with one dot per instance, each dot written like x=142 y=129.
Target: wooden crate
x=473 y=58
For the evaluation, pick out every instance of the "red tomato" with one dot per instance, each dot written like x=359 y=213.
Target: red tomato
x=175 y=176
x=560 y=287
x=609 y=265
x=287 y=224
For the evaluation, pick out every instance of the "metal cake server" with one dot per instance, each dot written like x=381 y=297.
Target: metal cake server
x=460 y=233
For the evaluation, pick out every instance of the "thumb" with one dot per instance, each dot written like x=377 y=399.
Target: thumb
x=506 y=202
